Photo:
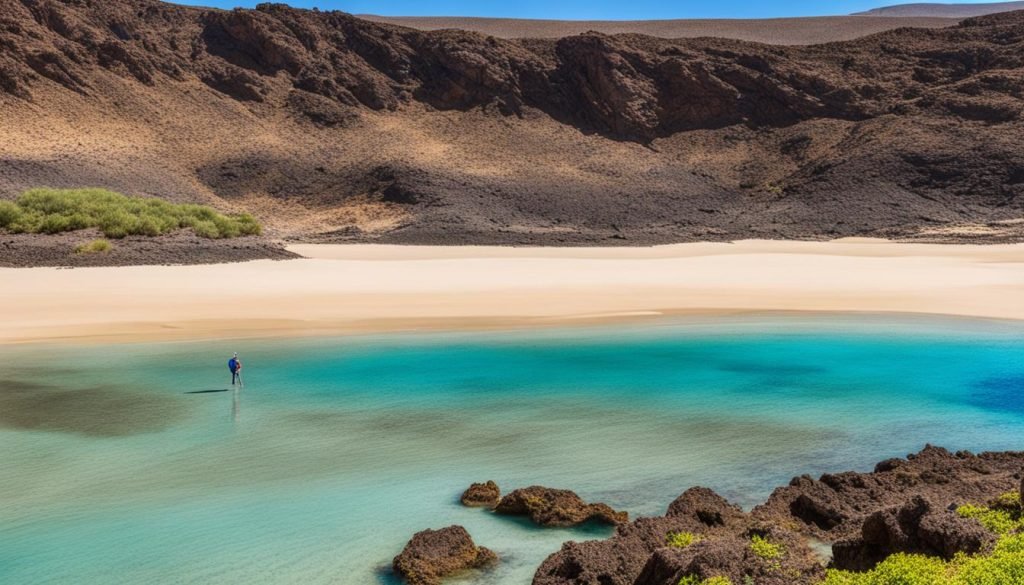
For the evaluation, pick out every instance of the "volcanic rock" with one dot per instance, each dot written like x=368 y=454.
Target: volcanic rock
x=835 y=506
x=552 y=507
x=904 y=505
x=434 y=554
x=732 y=557
x=707 y=507
x=591 y=138
x=915 y=527
x=481 y=494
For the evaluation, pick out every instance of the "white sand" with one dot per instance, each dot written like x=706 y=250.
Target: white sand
x=360 y=288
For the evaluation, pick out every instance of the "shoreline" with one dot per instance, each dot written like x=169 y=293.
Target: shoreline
x=360 y=289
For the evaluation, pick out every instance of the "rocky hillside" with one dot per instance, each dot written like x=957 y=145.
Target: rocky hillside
x=329 y=127
x=945 y=9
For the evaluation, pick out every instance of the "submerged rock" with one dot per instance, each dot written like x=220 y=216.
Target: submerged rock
x=551 y=507
x=432 y=555
x=482 y=495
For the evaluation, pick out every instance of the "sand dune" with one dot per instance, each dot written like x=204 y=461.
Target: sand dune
x=777 y=31
x=367 y=288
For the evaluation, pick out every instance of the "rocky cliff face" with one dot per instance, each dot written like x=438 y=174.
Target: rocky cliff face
x=928 y=121
x=628 y=87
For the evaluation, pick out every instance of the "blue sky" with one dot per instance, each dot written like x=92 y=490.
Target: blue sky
x=584 y=9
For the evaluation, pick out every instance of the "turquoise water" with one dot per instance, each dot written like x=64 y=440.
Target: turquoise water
x=127 y=464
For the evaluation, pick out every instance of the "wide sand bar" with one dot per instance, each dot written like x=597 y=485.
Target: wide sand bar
x=341 y=289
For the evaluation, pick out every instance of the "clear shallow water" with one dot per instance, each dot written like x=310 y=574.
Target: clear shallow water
x=338 y=450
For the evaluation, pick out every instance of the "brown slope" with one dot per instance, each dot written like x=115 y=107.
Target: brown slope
x=943 y=10
x=333 y=128
x=775 y=31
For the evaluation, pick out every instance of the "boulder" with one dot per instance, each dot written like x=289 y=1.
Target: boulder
x=835 y=507
x=732 y=557
x=620 y=559
x=909 y=502
x=551 y=507
x=432 y=555
x=916 y=527
x=707 y=507
x=482 y=495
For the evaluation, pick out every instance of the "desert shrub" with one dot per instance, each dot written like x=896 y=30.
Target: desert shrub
x=682 y=539
x=766 y=549
x=94 y=247
x=9 y=213
x=116 y=215
x=205 y=229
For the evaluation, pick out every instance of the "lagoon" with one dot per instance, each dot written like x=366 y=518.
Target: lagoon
x=136 y=463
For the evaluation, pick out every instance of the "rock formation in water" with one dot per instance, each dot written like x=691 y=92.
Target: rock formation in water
x=484 y=495
x=330 y=128
x=904 y=505
x=558 y=508
x=642 y=552
x=434 y=554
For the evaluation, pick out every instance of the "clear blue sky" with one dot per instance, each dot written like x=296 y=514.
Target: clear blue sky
x=584 y=9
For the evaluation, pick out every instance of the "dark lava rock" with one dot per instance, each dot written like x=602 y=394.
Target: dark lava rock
x=620 y=559
x=904 y=505
x=915 y=527
x=707 y=507
x=551 y=507
x=836 y=506
x=639 y=554
x=482 y=494
x=733 y=557
x=434 y=554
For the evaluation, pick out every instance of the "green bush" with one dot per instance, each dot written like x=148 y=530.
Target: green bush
x=9 y=213
x=682 y=539
x=695 y=580
x=898 y=569
x=62 y=210
x=766 y=549
x=93 y=247
x=1002 y=518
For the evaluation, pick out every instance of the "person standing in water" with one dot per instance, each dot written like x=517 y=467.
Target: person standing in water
x=235 y=365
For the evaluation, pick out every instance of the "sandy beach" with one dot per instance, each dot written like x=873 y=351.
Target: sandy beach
x=369 y=288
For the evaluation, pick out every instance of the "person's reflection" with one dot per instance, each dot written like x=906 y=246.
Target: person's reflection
x=235 y=404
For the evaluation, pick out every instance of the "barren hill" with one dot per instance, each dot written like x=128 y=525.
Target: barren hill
x=943 y=10
x=775 y=31
x=330 y=127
